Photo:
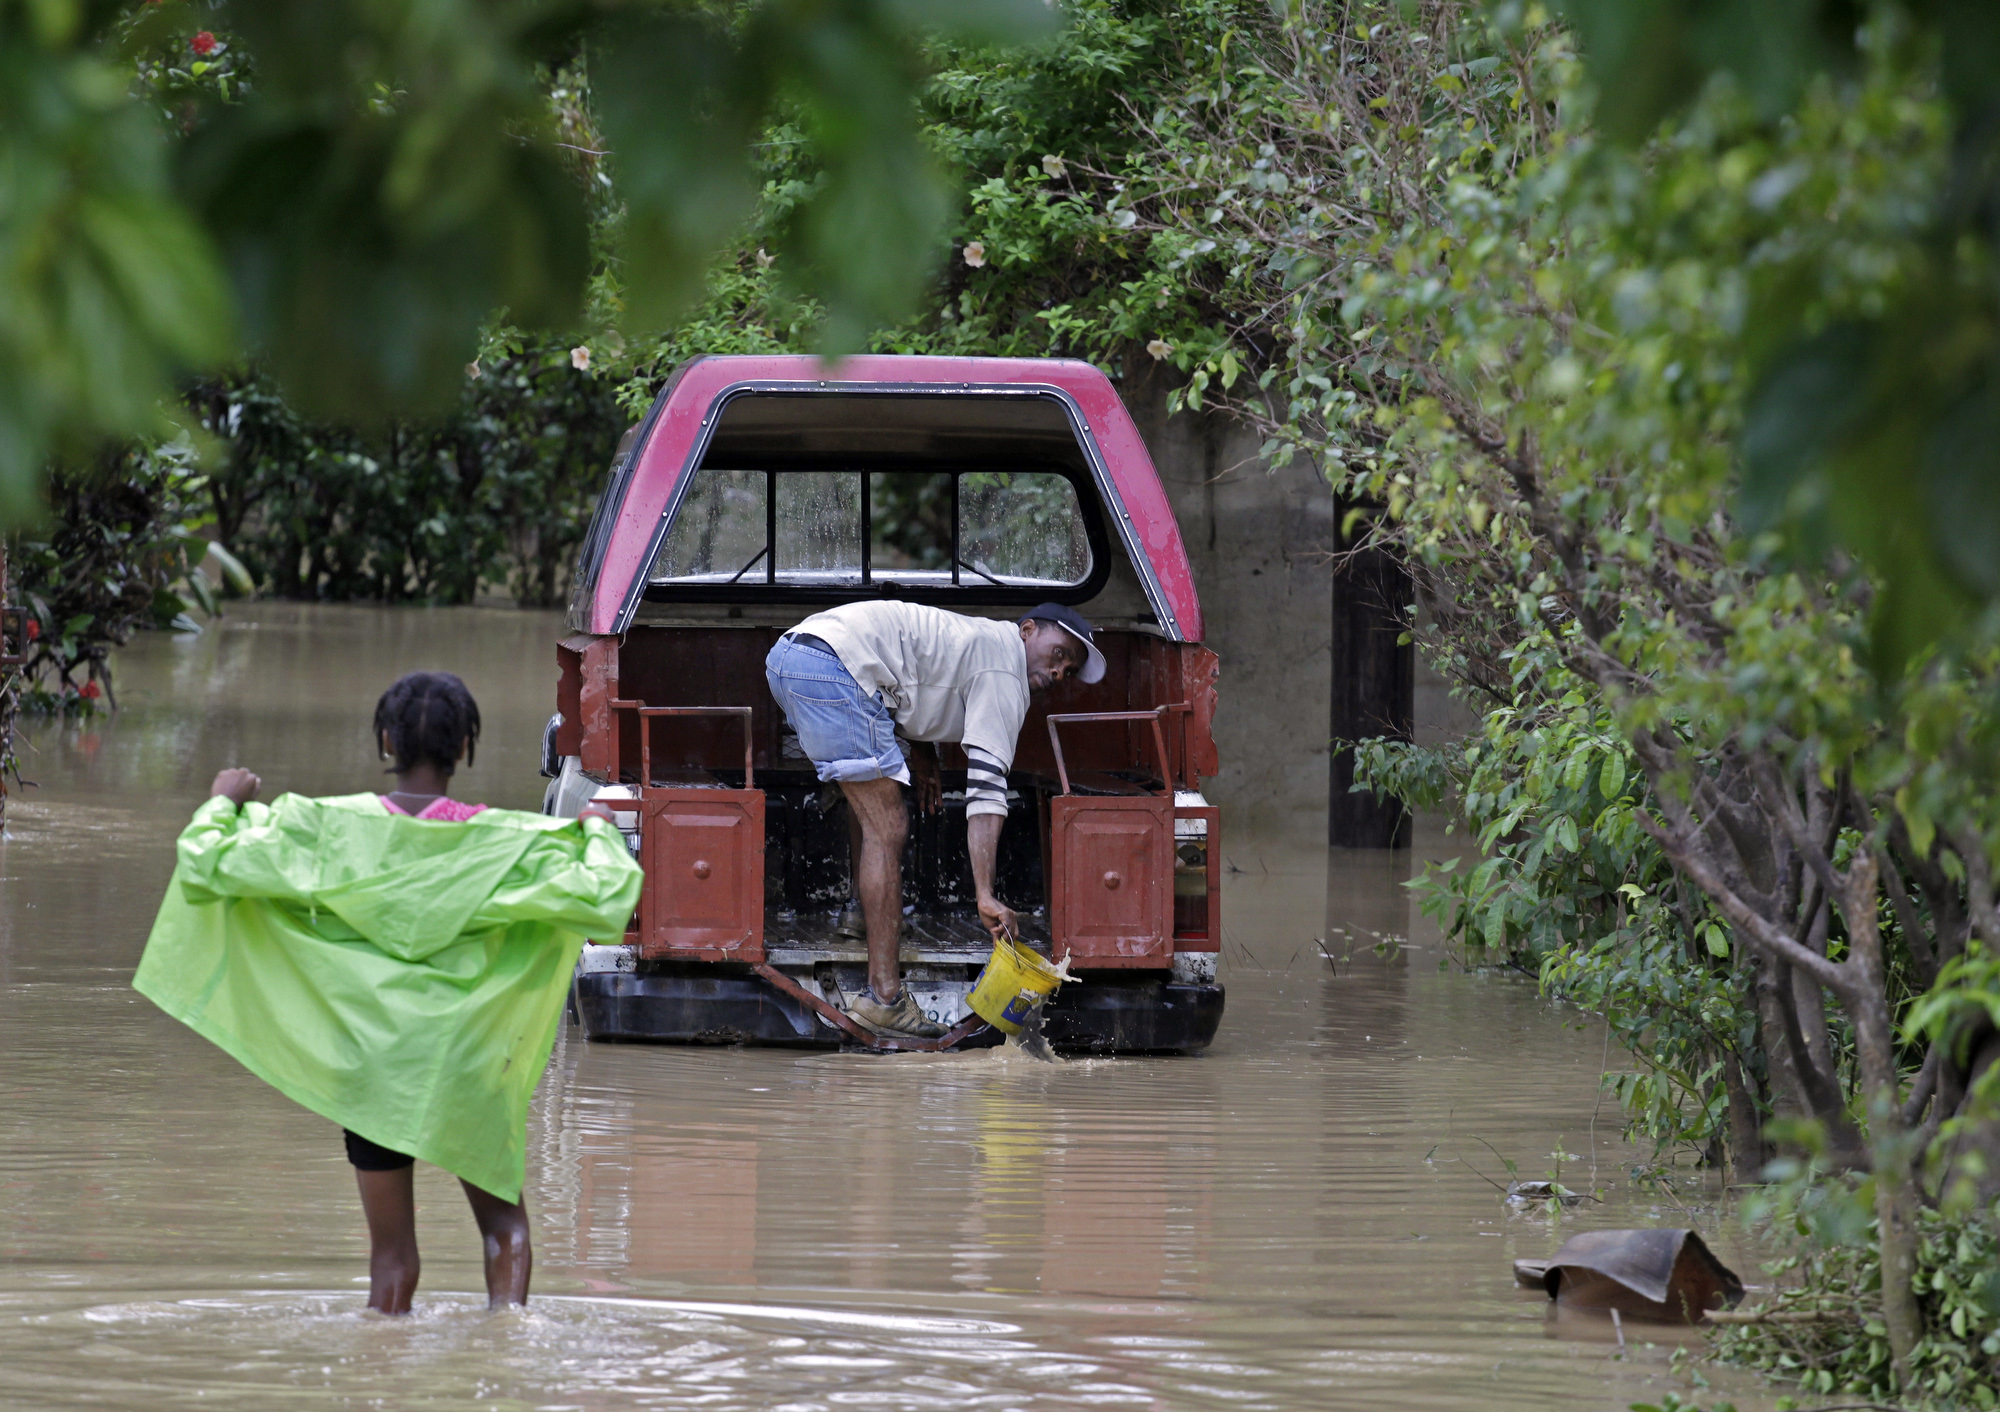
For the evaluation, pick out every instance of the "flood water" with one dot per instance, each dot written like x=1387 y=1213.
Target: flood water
x=1280 y=1223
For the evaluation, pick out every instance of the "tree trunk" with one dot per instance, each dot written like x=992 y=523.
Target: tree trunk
x=1867 y=1005
x=1773 y=990
x=1895 y=1195
x=1748 y=1152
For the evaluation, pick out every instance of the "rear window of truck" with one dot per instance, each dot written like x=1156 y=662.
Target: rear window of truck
x=959 y=497
x=1010 y=529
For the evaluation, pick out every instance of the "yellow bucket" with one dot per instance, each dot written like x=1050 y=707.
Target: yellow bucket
x=1014 y=983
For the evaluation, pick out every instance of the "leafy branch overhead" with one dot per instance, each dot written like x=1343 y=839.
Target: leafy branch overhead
x=350 y=191
x=1878 y=431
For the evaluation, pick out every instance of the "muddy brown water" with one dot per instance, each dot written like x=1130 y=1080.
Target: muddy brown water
x=1279 y=1223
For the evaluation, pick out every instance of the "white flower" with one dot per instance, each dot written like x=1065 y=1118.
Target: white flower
x=472 y=370
x=975 y=254
x=1055 y=166
x=765 y=261
x=1160 y=349
x=579 y=358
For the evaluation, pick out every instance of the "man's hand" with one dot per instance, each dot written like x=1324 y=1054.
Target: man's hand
x=924 y=774
x=238 y=786
x=999 y=918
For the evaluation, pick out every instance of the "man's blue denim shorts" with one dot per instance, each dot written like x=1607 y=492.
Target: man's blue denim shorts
x=847 y=734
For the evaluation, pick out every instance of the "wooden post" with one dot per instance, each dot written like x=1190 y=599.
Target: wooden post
x=1374 y=689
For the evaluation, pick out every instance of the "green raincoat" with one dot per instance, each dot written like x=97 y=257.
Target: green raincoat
x=403 y=977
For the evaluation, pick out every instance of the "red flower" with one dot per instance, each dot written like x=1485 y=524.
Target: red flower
x=91 y=691
x=34 y=629
x=203 y=43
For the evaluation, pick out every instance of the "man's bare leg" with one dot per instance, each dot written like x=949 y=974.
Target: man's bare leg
x=877 y=806
x=853 y=876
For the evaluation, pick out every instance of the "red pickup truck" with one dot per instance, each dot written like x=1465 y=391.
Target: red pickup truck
x=759 y=490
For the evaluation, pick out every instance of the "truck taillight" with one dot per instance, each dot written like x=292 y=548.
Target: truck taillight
x=1197 y=874
x=1191 y=887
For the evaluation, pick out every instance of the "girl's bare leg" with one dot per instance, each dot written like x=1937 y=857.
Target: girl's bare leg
x=389 y=1201
x=503 y=1227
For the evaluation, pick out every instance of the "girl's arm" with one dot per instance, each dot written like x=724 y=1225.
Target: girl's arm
x=230 y=850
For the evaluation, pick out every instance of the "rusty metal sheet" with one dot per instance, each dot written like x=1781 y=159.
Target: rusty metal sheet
x=1112 y=889
x=703 y=851
x=856 y=1034
x=1200 y=669
x=1662 y=1274
x=597 y=686
x=569 y=694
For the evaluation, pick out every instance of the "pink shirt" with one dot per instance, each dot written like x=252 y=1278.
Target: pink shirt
x=444 y=809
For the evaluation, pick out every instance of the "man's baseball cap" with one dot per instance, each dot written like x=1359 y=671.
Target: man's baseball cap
x=1073 y=623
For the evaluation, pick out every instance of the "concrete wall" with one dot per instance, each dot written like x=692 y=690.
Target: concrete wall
x=1259 y=541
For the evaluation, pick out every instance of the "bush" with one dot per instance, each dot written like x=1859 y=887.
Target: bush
x=1833 y=1269
x=497 y=496
x=116 y=553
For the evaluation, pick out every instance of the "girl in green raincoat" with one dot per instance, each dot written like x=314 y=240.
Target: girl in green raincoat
x=397 y=963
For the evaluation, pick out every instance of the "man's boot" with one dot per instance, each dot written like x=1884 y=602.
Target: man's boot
x=897 y=1019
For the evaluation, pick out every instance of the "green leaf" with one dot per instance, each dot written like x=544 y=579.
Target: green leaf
x=166 y=272
x=204 y=597
x=1651 y=57
x=233 y=572
x=679 y=105
x=1916 y=820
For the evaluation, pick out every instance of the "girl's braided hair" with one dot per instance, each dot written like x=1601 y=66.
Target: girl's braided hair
x=427 y=716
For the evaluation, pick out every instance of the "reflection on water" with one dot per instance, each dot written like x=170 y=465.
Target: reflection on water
x=1279 y=1224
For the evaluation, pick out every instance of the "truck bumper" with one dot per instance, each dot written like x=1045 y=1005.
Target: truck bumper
x=713 y=1005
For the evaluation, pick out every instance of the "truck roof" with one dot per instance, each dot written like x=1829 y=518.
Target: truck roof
x=677 y=432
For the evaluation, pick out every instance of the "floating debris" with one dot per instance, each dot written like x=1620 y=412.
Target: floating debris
x=1657 y=1274
x=1524 y=1194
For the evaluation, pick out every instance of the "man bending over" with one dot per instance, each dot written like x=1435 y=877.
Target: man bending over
x=851 y=679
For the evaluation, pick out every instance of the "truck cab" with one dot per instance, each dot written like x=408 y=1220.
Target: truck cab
x=759 y=490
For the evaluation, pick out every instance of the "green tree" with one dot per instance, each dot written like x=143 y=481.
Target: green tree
x=355 y=223
x=1709 y=805
x=1042 y=262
